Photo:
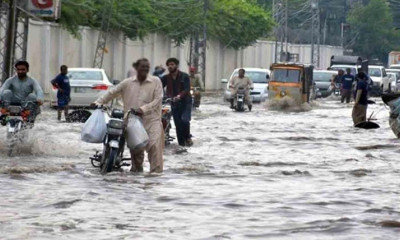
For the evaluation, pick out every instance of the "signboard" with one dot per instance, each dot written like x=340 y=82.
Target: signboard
x=44 y=8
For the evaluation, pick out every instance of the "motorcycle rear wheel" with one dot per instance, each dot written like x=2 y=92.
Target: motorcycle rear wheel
x=109 y=161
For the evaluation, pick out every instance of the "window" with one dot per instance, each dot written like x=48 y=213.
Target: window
x=256 y=77
x=374 y=72
x=353 y=70
x=85 y=75
x=286 y=75
x=322 y=76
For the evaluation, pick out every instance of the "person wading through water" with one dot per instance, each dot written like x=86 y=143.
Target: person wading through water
x=178 y=89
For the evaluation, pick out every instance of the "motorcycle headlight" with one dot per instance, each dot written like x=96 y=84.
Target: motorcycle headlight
x=283 y=93
x=191 y=92
x=116 y=123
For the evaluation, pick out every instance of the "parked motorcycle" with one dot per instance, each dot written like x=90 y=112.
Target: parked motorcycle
x=18 y=117
x=113 y=144
x=166 y=120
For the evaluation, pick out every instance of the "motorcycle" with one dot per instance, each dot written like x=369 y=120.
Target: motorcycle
x=166 y=120
x=18 y=117
x=336 y=90
x=113 y=144
x=239 y=101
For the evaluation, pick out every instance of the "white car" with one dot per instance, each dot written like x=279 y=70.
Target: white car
x=87 y=84
x=260 y=78
x=379 y=77
x=394 y=80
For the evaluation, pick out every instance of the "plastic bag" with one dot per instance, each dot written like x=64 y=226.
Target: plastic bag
x=95 y=128
x=136 y=135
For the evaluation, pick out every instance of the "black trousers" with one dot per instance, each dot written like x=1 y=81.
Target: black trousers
x=182 y=113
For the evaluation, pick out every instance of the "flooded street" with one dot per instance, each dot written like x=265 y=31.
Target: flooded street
x=263 y=174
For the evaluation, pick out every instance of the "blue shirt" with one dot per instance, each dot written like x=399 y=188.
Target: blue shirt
x=347 y=81
x=62 y=82
x=363 y=85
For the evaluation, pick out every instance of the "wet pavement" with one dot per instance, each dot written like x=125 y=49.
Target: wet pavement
x=265 y=174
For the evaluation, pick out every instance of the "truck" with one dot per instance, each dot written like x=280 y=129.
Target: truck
x=394 y=59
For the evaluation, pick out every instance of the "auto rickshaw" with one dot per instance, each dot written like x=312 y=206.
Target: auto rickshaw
x=291 y=80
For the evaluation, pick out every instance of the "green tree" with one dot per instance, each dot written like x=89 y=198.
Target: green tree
x=236 y=23
x=372 y=26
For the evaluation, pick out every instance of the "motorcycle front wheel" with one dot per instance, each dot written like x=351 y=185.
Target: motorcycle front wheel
x=239 y=106
x=109 y=161
x=11 y=138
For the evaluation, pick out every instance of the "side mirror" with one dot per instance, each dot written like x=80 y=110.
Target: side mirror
x=116 y=82
x=224 y=80
x=267 y=77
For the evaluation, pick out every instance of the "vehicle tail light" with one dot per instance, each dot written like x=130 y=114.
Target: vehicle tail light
x=54 y=87
x=25 y=114
x=100 y=87
x=165 y=110
x=3 y=111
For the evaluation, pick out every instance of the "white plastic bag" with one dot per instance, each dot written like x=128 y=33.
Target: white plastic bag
x=136 y=135
x=95 y=128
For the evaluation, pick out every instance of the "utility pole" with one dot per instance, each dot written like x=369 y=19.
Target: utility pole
x=315 y=32
x=286 y=31
x=10 y=40
x=277 y=9
x=102 y=40
x=204 y=43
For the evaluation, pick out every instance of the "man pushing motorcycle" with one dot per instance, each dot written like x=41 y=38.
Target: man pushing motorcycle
x=241 y=81
x=22 y=88
x=143 y=93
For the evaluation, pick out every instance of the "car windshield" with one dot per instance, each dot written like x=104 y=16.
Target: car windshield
x=374 y=72
x=286 y=75
x=322 y=76
x=85 y=75
x=392 y=75
x=256 y=77
x=353 y=70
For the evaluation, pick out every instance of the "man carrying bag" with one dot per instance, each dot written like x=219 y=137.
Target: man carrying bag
x=144 y=94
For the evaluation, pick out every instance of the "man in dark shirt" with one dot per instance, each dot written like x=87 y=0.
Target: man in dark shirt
x=338 y=77
x=61 y=82
x=347 y=85
x=178 y=89
x=361 y=99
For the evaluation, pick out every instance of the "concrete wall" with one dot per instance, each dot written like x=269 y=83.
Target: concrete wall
x=49 y=46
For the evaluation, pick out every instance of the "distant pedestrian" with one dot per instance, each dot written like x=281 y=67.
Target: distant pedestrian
x=336 y=81
x=347 y=86
x=197 y=84
x=159 y=71
x=132 y=71
x=61 y=82
x=361 y=99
